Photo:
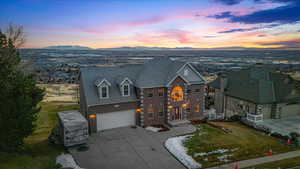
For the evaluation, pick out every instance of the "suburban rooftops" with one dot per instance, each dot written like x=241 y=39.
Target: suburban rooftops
x=259 y=84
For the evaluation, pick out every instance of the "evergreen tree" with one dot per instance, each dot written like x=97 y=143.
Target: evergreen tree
x=19 y=97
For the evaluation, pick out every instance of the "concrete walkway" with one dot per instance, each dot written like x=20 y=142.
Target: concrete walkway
x=261 y=160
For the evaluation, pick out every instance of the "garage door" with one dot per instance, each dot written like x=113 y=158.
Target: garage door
x=290 y=110
x=115 y=119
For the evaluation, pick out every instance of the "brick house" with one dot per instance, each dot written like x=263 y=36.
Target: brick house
x=256 y=93
x=161 y=91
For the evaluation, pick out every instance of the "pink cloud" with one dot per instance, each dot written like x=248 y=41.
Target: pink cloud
x=179 y=36
x=114 y=26
x=122 y=26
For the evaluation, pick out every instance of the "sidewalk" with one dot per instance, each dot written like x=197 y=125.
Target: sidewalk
x=261 y=160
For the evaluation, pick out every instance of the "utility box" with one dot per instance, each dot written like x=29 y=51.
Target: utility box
x=73 y=128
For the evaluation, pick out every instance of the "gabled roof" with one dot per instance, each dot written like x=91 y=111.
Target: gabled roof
x=260 y=85
x=157 y=72
x=126 y=79
x=99 y=81
x=89 y=74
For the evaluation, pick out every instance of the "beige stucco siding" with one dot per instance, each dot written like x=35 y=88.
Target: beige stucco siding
x=218 y=101
x=235 y=106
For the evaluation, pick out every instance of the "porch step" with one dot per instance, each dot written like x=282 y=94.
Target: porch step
x=175 y=123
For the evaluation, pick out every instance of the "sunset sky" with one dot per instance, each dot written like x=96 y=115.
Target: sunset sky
x=159 y=23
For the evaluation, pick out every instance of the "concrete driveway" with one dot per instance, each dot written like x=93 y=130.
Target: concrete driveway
x=283 y=126
x=128 y=148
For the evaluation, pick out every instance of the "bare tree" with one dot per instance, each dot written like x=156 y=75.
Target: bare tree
x=16 y=34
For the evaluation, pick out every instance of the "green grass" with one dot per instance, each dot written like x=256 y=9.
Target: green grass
x=37 y=153
x=286 y=163
x=295 y=75
x=247 y=142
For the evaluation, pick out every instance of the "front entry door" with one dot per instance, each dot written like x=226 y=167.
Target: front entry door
x=177 y=113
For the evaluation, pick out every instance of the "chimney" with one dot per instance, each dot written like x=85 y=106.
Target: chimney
x=223 y=82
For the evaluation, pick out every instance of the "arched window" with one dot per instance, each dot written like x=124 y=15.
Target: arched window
x=177 y=93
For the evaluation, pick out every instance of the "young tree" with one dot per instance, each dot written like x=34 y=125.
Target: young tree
x=19 y=95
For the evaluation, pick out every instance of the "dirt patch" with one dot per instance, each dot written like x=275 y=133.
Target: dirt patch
x=60 y=92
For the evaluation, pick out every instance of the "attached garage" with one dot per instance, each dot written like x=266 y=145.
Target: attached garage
x=290 y=110
x=115 y=119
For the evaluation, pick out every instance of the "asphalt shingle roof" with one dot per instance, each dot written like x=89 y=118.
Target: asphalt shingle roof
x=154 y=73
x=260 y=85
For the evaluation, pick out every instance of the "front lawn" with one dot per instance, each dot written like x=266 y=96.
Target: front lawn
x=38 y=154
x=211 y=146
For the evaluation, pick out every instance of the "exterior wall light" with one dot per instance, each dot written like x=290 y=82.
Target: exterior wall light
x=138 y=110
x=170 y=107
x=92 y=116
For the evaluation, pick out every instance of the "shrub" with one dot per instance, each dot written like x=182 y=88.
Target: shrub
x=83 y=147
x=278 y=135
x=235 y=118
x=294 y=135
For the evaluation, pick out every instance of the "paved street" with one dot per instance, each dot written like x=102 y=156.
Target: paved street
x=261 y=160
x=129 y=148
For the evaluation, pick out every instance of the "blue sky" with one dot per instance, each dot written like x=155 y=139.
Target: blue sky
x=162 y=23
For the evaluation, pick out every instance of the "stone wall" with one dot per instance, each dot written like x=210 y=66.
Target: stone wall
x=195 y=98
x=264 y=109
x=155 y=102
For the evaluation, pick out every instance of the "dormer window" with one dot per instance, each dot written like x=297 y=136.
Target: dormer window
x=126 y=90
x=103 y=88
x=125 y=87
x=104 y=92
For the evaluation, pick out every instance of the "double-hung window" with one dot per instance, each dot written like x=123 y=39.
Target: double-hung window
x=104 y=92
x=126 y=90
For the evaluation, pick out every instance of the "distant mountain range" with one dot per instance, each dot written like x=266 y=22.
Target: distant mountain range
x=69 y=47
x=76 y=47
x=190 y=48
x=148 y=48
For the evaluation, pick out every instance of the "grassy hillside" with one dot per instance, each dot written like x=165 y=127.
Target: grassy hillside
x=38 y=154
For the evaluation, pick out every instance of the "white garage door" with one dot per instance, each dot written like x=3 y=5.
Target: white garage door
x=115 y=119
x=290 y=110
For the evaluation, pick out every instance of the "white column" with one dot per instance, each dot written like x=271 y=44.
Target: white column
x=142 y=108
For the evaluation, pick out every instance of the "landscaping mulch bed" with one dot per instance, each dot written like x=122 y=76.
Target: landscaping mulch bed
x=196 y=122
x=224 y=129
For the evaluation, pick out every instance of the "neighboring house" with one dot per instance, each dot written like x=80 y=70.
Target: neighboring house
x=161 y=91
x=256 y=93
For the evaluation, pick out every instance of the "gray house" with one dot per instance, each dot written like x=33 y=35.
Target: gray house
x=256 y=93
x=161 y=91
